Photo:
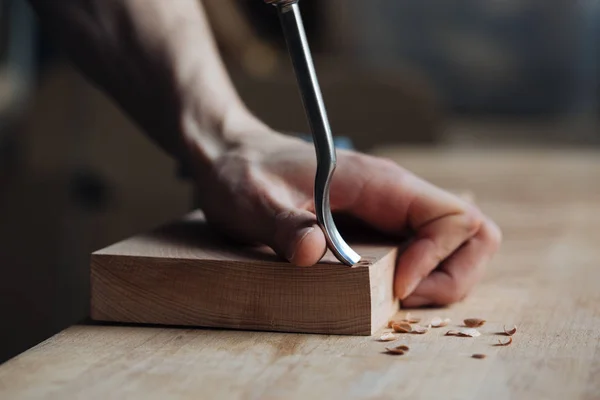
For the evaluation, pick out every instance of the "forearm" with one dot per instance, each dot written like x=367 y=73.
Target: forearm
x=157 y=59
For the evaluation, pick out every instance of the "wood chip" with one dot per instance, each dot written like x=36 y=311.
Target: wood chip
x=437 y=322
x=507 y=343
x=464 y=332
x=479 y=356
x=398 y=350
x=405 y=327
x=474 y=322
x=418 y=329
x=402 y=327
x=410 y=319
x=387 y=337
x=511 y=331
x=471 y=332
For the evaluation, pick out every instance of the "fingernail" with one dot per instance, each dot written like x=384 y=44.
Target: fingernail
x=295 y=245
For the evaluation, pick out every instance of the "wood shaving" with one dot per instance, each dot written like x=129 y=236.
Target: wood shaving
x=479 y=356
x=511 y=331
x=405 y=327
x=507 y=343
x=464 y=332
x=402 y=327
x=418 y=329
x=437 y=322
x=399 y=350
x=410 y=319
x=471 y=332
x=387 y=337
x=474 y=322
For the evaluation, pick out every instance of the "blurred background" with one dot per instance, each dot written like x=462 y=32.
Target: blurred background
x=75 y=175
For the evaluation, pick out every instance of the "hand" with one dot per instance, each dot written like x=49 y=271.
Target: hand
x=261 y=192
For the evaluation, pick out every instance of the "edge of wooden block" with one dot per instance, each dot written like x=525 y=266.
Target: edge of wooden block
x=184 y=274
x=383 y=303
x=143 y=298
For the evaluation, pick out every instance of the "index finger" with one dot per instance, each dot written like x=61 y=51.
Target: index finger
x=390 y=198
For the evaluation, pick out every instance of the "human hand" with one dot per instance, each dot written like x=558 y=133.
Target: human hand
x=261 y=192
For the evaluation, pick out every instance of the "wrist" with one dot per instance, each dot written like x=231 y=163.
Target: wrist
x=210 y=134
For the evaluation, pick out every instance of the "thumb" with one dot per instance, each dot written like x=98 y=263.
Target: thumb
x=297 y=237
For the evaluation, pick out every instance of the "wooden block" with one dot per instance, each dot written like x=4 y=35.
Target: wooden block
x=185 y=274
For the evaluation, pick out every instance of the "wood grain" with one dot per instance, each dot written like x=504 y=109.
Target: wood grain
x=545 y=280
x=185 y=274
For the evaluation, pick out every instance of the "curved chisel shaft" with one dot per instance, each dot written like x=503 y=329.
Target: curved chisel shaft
x=291 y=21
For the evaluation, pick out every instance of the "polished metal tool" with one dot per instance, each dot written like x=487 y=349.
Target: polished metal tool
x=295 y=36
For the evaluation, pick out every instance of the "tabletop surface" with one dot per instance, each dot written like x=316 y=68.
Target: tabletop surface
x=545 y=280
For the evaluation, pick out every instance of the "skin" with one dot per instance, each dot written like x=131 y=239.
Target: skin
x=158 y=61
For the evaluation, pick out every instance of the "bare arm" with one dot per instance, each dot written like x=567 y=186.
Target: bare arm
x=158 y=60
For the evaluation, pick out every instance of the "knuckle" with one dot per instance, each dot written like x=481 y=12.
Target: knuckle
x=284 y=216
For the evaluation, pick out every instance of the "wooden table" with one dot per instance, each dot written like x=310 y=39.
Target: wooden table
x=546 y=280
